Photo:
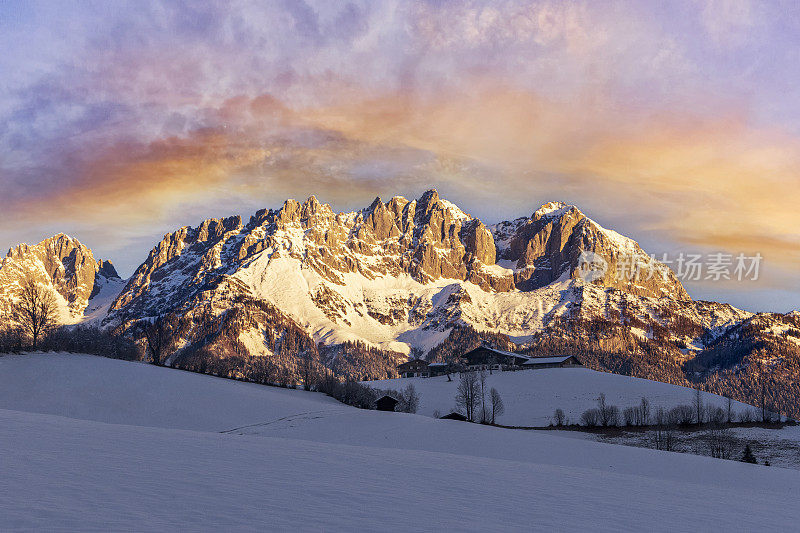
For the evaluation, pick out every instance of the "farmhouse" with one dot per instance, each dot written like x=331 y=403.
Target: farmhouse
x=561 y=361
x=413 y=369
x=485 y=358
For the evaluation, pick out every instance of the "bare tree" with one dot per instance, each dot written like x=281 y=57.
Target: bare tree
x=682 y=415
x=609 y=414
x=497 y=404
x=157 y=338
x=409 y=399
x=467 y=394
x=590 y=417
x=308 y=370
x=715 y=415
x=629 y=416
x=664 y=434
x=728 y=410
x=764 y=413
x=698 y=406
x=484 y=414
x=35 y=310
x=559 y=419
x=644 y=412
x=720 y=442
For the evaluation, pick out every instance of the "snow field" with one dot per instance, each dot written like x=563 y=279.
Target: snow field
x=96 y=444
x=531 y=396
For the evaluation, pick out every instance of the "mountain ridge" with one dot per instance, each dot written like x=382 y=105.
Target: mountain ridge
x=363 y=289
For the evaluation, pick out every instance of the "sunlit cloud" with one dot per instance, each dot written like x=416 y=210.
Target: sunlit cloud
x=124 y=122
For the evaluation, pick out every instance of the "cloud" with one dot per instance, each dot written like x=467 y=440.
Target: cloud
x=148 y=114
x=728 y=22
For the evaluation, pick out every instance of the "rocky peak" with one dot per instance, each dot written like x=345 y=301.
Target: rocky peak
x=550 y=245
x=106 y=269
x=427 y=202
x=552 y=210
x=381 y=221
x=478 y=242
x=312 y=206
x=396 y=205
x=289 y=211
x=59 y=262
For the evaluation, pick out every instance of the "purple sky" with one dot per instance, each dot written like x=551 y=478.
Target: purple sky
x=675 y=123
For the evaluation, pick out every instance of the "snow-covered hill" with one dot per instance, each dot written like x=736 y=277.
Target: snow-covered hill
x=107 y=390
x=531 y=396
x=306 y=463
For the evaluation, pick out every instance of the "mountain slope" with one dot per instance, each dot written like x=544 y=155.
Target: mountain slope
x=63 y=265
x=358 y=291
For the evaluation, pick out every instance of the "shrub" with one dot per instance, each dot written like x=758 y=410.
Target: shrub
x=590 y=417
x=629 y=416
x=682 y=415
x=91 y=340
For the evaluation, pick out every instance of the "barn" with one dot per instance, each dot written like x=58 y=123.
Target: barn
x=386 y=403
x=455 y=416
x=561 y=361
x=484 y=357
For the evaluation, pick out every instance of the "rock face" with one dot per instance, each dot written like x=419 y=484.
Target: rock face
x=60 y=263
x=394 y=274
x=428 y=239
x=552 y=245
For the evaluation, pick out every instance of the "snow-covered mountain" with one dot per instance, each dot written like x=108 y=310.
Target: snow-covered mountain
x=395 y=275
x=363 y=289
x=66 y=267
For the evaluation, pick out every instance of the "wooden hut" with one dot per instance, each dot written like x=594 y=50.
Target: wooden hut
x=386 y=403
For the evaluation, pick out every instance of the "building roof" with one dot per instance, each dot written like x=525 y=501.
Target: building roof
x=439 y=364
x=516 y=356
x=547 y=360
x=413 y=363
x=385 y=396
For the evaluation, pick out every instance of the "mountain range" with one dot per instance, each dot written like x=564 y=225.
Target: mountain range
x=363 y=290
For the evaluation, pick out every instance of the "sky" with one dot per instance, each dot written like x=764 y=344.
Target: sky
x=675 y=123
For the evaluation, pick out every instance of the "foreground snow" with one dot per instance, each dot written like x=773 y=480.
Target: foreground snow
x=531 y=396
x=107 y=390
x=321 y=465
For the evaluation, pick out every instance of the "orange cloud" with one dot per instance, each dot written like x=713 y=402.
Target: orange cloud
x=709 y=182
x=133 y=182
